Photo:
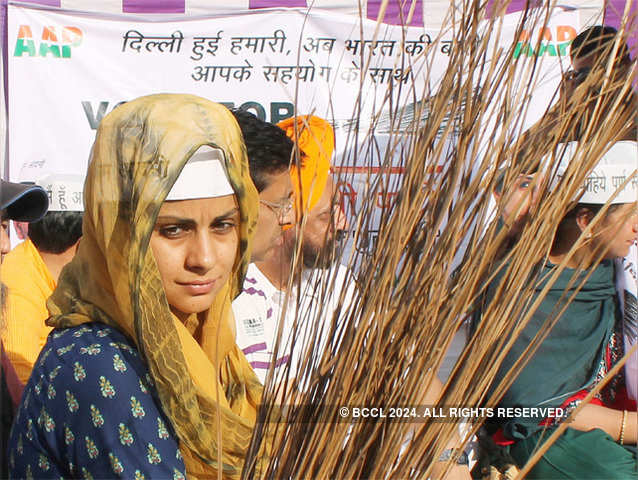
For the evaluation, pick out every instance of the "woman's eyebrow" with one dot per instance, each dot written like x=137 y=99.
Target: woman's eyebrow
x=190 y=221
x=229 y=213
x=173 y=219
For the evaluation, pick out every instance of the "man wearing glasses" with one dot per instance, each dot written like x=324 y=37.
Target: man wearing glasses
x=321 y=226
x=269 y=152
x=590 y=53
x=580 y=95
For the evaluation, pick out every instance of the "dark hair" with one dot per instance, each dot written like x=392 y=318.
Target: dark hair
x=569 y=220
x=592 y=207
x=598 y=39
x=268 y=147
x=56 y=232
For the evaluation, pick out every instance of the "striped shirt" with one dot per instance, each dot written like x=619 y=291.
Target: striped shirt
x=260 y=305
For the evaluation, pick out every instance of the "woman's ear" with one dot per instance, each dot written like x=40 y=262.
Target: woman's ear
x=584 y=217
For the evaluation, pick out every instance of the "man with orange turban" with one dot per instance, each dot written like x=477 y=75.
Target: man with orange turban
x=315 y=138
x=320 y=227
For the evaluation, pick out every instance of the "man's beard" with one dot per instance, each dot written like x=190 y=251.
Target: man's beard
x=326 y=257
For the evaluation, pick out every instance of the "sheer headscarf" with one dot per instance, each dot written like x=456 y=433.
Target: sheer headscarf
x=207 y=388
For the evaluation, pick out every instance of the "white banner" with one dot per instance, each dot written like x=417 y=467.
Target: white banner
x=66 y=70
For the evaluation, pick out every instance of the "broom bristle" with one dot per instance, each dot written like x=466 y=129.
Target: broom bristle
x=434 y=253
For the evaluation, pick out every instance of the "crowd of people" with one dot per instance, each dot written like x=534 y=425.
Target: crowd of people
x=140 y=326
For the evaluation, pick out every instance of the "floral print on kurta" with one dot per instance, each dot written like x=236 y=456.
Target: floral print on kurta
x=89 y=411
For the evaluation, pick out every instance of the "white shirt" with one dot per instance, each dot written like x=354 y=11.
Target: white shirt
x=627 y=286
x=260 y=305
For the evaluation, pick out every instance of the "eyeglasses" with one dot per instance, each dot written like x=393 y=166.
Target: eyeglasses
x=577 y=75
x=279 y=209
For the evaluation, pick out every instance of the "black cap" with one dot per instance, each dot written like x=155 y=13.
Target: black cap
x=23 y=203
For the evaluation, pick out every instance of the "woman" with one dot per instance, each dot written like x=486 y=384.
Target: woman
x=142 y=377
x=583 y=344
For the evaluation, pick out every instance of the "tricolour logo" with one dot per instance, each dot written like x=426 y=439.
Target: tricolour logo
x=545 y=42
x=56 y=42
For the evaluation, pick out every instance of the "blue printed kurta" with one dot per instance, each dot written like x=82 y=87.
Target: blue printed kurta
x=90 y=410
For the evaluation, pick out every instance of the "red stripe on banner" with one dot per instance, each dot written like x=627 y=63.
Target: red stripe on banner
x=397 y=11
x=276 y=3
x=153 y=6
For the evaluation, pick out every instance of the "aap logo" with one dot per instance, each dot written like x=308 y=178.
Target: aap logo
x=56 y=42
x=547 y=41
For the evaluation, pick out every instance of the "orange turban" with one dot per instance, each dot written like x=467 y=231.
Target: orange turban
x=315 y=138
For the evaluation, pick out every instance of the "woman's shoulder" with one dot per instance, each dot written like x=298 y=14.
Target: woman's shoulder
x=91 y=402
x=72 y=355
x=89 y=333
x=89 y=352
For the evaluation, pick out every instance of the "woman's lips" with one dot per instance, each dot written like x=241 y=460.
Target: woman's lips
x=201 y=287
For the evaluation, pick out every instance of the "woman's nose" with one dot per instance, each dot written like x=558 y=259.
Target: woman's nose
x=201 y=254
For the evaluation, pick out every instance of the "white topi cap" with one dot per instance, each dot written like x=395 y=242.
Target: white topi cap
x=203 y=176
x=617 y=167
x=64 y=192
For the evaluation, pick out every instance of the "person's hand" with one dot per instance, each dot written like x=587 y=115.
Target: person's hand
x=457 y=472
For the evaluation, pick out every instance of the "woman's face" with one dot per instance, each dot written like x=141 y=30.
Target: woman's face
x=195 y=243
x=619 y=230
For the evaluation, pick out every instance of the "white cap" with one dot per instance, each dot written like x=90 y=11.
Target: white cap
x=611 y=172
x=203 y=176
x=64 y=192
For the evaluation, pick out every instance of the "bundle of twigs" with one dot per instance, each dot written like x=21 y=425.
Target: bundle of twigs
x=438 y=246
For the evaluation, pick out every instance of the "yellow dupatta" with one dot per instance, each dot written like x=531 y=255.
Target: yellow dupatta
x=207 y=389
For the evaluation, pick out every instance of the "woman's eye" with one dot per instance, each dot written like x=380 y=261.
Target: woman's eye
x=224 y=226
x=171 y=231
x=525 y=182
